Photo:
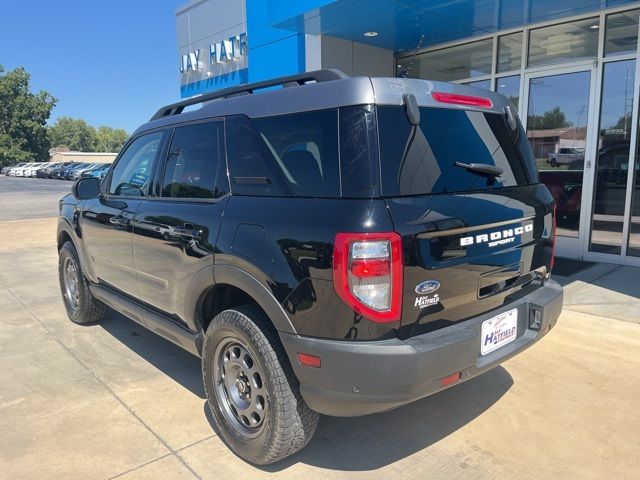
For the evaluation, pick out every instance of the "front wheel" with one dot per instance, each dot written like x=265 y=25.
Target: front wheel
x=81 y=306
x=251 y=389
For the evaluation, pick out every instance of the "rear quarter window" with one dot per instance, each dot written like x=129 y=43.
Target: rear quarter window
x=284 y=155
x=424 y=163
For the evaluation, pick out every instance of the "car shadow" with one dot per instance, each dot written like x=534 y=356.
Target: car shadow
x=349 y=444
x=175 y=362
x=374 y=441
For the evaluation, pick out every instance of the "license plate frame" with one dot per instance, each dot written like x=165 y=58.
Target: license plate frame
x=498 y=331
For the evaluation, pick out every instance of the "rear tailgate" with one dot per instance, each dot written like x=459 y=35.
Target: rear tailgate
x=463 y=192
x=465 y=254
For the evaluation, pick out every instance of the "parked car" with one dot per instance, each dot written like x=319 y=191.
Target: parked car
x=302 y=243
x=76 y=173
x=7 y=170
x=52 y=170
x=565 y=156
x=55 y=171
x=21 y=171
x=99 y=172
x=32 y=169
x=45 y=170
x=65 y=173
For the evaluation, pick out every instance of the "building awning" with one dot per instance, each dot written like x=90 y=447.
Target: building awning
x=399 y=24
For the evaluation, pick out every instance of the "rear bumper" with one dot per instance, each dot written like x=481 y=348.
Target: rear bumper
x=359 y=378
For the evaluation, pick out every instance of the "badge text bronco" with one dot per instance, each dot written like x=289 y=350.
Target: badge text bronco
x=500 y=237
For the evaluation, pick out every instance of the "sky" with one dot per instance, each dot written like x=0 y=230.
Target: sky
x=109 y=62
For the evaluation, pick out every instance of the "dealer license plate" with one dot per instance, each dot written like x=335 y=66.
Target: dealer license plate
x=498 y=331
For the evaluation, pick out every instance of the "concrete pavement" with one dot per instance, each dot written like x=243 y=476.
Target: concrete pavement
x=115 y=401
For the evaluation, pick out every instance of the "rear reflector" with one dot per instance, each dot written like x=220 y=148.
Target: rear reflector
x=457 y=99
x=309 y=360
x=370 y=268
x=453 y=378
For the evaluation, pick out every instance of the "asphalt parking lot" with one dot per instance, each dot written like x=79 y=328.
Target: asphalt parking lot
x=30 y=198
x=114 y=401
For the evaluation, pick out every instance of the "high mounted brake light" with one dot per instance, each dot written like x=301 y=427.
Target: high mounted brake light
x=458 y=99
x=367 y=274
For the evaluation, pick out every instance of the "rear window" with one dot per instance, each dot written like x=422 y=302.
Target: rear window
x=446 y=136
x=285 y=155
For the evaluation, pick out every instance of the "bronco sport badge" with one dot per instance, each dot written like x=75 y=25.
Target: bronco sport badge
x=499 y=237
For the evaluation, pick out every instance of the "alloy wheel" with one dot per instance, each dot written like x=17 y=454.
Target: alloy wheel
x=239 y=387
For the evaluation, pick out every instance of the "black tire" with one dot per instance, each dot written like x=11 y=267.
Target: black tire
x=82 y=308
x=287 y=423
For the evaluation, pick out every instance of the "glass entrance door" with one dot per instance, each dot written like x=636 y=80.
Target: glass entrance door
x=612 y=158
x=557 y=111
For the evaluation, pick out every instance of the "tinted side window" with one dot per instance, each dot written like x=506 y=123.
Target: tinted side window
x=426 y=162
x=294 y=154
x=195 y=163
x=359 y=152
x=132 y=173
x=252 y=169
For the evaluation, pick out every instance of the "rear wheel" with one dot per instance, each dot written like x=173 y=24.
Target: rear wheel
x=251 y=388
x=81 y=306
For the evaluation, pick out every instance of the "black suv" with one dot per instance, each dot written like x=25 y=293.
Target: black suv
x=338 y=245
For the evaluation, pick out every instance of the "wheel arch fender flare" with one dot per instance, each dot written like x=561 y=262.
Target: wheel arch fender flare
x=66 y=229
x=231 y=275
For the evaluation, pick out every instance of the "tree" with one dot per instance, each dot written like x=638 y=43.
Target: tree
x=23 y=115
x=111 y=139
x=73 y=133
x=554 y=118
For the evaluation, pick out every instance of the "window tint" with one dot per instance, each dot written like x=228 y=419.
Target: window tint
x=446 y=136
x=252 y=169
x=359 y=152
x=132 y=173
x=195 y=163
x=293 y=154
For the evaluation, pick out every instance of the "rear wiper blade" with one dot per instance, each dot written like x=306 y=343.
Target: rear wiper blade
x=490 y=170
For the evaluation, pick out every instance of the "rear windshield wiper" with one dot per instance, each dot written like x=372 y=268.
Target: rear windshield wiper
x=490 y=170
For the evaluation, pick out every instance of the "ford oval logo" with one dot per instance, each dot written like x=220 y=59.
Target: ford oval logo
x=427 y=287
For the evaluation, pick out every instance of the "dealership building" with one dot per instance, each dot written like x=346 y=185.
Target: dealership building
x=570 y=67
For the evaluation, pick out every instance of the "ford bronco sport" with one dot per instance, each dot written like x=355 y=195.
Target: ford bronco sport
x=338 y=245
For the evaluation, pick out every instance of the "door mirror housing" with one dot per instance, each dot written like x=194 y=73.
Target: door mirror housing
x=86 y=188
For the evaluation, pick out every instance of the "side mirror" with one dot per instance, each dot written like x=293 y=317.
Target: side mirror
x=86 y=188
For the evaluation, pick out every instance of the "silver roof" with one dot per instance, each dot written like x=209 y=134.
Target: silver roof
x=329 y=94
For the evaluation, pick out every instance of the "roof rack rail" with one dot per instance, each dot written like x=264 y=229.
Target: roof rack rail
x=291 y=80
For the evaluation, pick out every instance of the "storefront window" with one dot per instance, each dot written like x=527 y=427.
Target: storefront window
x=486 y=84
x=612 y=160
x=634 y=227
x=509 y=52
x=456 y=63
x=621 y=34
x=510 y=88
x=565 y=42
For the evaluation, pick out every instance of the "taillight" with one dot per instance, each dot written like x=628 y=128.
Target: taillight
x=458 y=99
x=367 y=274
x=553 y=245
